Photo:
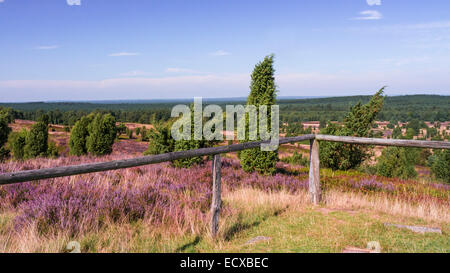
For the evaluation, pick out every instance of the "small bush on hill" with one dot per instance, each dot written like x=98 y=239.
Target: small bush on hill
x=52 y=150
x=4 y=133
x=184 y=145
x=440 y=165
x=395 y=162
x=17 y=144
x=121 y=129
x=358 y=122
x=144 y=134
x=37 y=139
x=78 y=136
x=102 y=133
x=160 y=140
x=297 y=159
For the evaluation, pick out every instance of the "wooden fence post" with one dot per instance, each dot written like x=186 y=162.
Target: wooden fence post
x=216 y=200
x=314 y=172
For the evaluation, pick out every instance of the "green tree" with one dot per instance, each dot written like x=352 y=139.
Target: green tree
x=121 y=129
x=52 y=150
x=395 y=162
x=4 y=130
x=4 y=133
x=130 y=133
x=358 y=122
x=37 y=139
x=160 y=140
x=144 y=134
x=415 y=125
x=410 y=133
x=296 y=159
x=397 y=132
x=8 y=114
x=184 y=145
x=262 y=92
x=78 y=136
x=440 y=166
x=18 y=142
x=102 y=133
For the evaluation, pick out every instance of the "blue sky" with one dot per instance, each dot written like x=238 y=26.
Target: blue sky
x=136 y=49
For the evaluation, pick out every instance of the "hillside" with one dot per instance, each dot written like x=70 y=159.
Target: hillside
x=156 y=209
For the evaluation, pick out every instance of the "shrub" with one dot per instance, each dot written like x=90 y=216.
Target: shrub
x=78 y=136
x=297 y=159
x=358 y=122
x=395 y=162
x=421 y=156
x=262 y=92
x=4 y=153
x=121 y=129
x=102 y=133
x=184 y=145
x=37 y=139
x=130 y=133
x=440 y=166
x=160 y=140
x=4 y=130
x=52 y=150
x=144 y=134
x=4 y=133
x=17 y=144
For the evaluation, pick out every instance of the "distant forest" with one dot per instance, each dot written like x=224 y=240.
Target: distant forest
x=396 y=108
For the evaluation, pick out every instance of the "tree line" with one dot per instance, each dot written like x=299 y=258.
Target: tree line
x=431 y=108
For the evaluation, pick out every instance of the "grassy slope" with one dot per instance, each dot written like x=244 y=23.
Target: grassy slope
x=292 y=224
x=315 y=229
x=346 y=218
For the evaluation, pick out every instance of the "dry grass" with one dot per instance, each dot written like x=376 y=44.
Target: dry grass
x=427 y=210
x=250 y=199
x=269 y=210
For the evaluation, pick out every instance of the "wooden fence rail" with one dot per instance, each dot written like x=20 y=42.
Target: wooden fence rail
x=314 y=168
x=386 y=142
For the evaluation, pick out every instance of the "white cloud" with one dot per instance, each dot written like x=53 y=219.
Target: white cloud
x=1 y=1
x=120 y=54
x=119 y=88
x=47 y=47
x=220 y=53
x=369 y=15
x=373 y=2
x=74 y=2
x=398 y=79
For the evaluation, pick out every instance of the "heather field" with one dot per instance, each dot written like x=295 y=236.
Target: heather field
x=159 y=208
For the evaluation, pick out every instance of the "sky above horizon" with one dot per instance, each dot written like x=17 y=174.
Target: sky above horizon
x=136 y=49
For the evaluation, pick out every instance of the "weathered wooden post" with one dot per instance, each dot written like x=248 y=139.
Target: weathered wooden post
x=216 y=200
x=314 y=172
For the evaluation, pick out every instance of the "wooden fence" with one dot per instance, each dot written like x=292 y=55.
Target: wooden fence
x=314 y=165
